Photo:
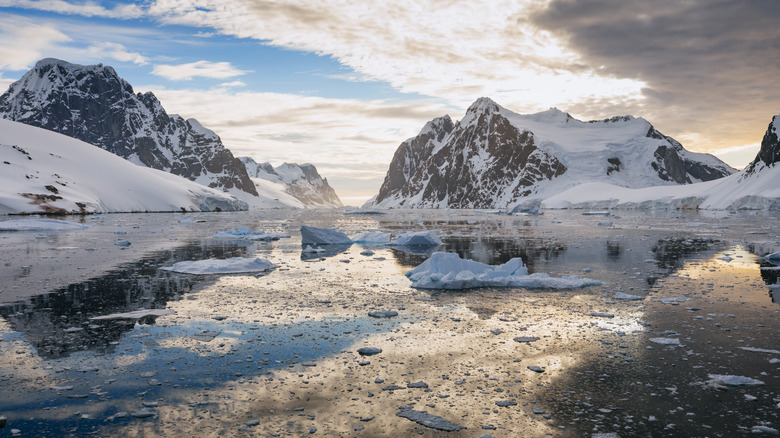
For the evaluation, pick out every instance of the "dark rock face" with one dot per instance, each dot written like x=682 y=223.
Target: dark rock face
x=769 y=154
x=93 y=104
x=302 y=181
x=440 y=163
x=672 y=167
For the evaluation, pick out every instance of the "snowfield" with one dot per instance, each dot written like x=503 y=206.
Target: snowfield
x=47 y=172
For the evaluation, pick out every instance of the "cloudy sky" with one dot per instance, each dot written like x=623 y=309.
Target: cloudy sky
x=341 y=84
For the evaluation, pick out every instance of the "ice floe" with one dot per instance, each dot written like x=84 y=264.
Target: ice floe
x=448 y=271
x=323 y=236
x=373 y=237
x=417 y=238
x=40 y=225
x=627 y=297
x=136 y=314
x=665 y=341
x=732 y=380
x=759 y=350
x=233 y=265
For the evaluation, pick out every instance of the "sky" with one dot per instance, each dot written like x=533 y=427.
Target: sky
x=340 y=84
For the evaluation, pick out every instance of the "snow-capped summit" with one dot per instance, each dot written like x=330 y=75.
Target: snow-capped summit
x=769 y=154
x=301 y=182
x=93 y=104
x=493 y=158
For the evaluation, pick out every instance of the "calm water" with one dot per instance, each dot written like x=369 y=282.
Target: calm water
x=280 y=349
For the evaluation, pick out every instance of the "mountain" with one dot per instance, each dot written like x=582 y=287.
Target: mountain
x=494 y=158
x=754 y=188
x=297 y=185
x=47 y=172
x=93 y=104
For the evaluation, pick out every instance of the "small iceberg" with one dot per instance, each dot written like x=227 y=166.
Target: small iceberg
x=40 y=225
x=731 y=380
x=372 y=237
x=235 y=265
x=323 y=236
x=775 y=257
x=448 y=271
x=417 y=238
x=136 y=314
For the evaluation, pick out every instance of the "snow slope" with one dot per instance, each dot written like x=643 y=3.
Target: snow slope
x=47 y=172
x=495 y=158
x=755 y=188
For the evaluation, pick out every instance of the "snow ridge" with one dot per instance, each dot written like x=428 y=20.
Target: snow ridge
x=302 y=182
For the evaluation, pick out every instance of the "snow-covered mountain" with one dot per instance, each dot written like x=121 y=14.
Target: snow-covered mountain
x=296 y=185
x=494 y=158
x=756 y=187
x=47 y=172
x=93 y=104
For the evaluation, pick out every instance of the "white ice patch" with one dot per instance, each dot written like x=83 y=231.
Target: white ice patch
x=323 y=236
x=759 y=350
x=670 y=300
x=665 y=341
x=726 y=379
x=233 y=265
x=418 y=238
x=39 y=225
x=448 y=271
x=136 y=314
x=627 y=297
x=372 y=237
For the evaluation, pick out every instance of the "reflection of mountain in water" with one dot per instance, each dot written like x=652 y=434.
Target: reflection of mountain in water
x=488 y=250
x=58 y=323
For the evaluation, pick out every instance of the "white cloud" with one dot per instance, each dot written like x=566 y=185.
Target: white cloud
x=206 y=69
x=233 y=84
x=116 y=51
x=25 y=43
x=453 y=50
x=86 y=9
x=347 y=139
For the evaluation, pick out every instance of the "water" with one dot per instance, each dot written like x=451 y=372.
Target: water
x=281 y=348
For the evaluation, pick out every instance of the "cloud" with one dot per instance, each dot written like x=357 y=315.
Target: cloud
x=233 y=84
x=344 y=138
x=710 y=66
x=116 y=51
x=86 y=9
x=453 y=50
x=206 y=69
x=24 y=43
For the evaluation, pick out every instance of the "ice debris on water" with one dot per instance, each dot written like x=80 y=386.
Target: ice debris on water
x=247 y=233
x=417 y=238
x=732 y=380
x=627 y=297
x=672 y=300
x=323 y=236
x=759 y=350
x=665 y=341
x=369 y=351
x=526 y=339
x=428 y=420
x=448 y=271
x=234 y=265
x=123 y=242
x=383 y=314
x=40 y=225
x=373 y=237
x=136 y=314
x=765 y=429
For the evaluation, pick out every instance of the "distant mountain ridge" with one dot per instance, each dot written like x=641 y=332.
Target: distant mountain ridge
x=301 y=181
x=494 y=158
x=93 y=104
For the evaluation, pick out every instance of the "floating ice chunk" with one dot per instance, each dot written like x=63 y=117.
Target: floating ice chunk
x=39 y=225
x=725 y=258
x=670 y=300
x=595 y=213
x=665 y=341
x=428 y=420
x=448 y=271
x=627 y=297
x=383 y=314
x=726 y=379
x=602 y=315
x=765 y=429
x=123 y=242
x=233 y=265
x=323 y=236
x=774 y=256
x=136 y=314
x=372 y=237
x=417 y=238
x=759 y=350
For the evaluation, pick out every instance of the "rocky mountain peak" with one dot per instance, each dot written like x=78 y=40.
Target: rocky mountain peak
x=301 y=181
x=483 y=105
x=769 y=154
x=93 y=104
